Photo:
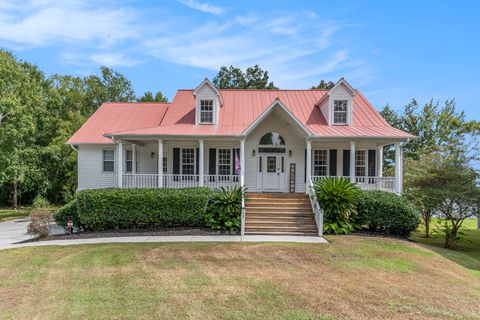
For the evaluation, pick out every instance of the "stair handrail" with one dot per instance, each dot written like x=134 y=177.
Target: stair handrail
x=242 y=222
x=317 y=210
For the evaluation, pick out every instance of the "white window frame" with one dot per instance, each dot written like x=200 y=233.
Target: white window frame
x=335 y=112
x=165 y=165
x=365 y=166
x=182 y=163
x=114 y=160
x=211 y=112
x=131 y=160
x=327 y=165
x=229 y=161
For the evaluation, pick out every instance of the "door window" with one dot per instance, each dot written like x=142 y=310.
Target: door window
x=271 y=164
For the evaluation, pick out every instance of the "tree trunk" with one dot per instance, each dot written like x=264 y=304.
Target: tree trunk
x=450 y=238
x=426 y=221
x=15 y=196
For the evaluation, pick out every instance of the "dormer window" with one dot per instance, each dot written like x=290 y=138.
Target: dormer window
x=206 y=111
x=340 y=111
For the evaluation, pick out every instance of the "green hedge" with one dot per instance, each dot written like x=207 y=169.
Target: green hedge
x=387 y=212
x=104 y=209
x=68 y=211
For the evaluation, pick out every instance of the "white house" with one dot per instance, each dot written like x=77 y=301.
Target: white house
x=270 y=141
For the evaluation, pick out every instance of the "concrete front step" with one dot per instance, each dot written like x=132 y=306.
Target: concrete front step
x=279 y=214
x=282 y=233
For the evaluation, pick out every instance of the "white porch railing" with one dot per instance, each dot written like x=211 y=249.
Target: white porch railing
x=369 y=183
x=180 y=180
x=317 y=211
x=376 y=183
x=140 y=181
x=216 y=181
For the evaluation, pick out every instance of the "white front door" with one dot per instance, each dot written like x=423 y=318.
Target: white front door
x=273 y=173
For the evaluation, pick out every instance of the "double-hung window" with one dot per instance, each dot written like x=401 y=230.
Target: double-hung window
x=188 y=161
x=360 y=163
x=129 y=161
x=206 y=111
x=320 y=163
x=224 y=161
x=108 y=160
x=340 y=109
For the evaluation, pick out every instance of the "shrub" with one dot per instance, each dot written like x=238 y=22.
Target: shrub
x=337 y=197
x=104 y=209
x=68 y=211
x=387 y=212
x=40 y=202
x=39 y=224
x=224 y=209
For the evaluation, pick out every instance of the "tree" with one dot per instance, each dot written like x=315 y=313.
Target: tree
x=415 y=173
x=21 y=102
x=149 y=97
x=437 y=128
x=450 y=184
x=327 y=85
x=234 y=78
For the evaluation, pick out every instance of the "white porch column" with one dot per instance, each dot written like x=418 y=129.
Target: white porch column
x=309 y=164
x=120 y=164
x=398 y=168
x=380 y=161
x=134 y=160
x=201 y=162
x=160 y=163
x=242 y=162
x=352 y=161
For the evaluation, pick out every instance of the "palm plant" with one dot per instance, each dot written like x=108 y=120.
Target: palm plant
x=224 y=208
x=338 y=198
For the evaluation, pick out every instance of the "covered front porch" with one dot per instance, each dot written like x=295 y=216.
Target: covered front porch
x=228 y=162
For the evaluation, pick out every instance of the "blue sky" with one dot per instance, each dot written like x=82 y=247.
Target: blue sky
x=391 y=50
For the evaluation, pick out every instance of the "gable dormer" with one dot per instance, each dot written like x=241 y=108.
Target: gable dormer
x=336 y=105
x=207 y=103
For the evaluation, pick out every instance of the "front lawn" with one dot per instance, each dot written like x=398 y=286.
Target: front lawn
x=353 y=277
x=12 y=214
x=468 y=252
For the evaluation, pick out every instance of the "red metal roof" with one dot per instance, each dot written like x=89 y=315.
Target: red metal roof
x=118 y=116
x=240 y=108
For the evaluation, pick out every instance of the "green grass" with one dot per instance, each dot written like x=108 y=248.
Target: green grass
x=352 y=277
x=7 y=214
x=22 y=212
x=468 y=252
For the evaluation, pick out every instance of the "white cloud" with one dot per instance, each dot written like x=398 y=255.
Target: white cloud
x=43 y=23
x=204 y=7
x=113 y=60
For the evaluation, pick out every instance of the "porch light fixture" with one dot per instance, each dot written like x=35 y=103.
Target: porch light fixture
x=152 y=155
x=253 y=153
x=290 y=153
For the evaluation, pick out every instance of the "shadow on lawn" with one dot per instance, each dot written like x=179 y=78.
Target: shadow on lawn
x=468 y=252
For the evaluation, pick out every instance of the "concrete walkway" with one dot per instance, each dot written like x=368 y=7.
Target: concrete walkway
x=168 y=239
x=15 y=231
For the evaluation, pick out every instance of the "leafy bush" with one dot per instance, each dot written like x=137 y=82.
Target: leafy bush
x=39 y=224
x=387 y=212
x=337 y=197
x=224 y=209
x=68 y=211
x=104 y=209
x=40 y=202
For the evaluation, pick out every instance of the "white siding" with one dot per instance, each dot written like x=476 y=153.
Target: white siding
x=90 y=168
x=324 y=108
x=295 y=143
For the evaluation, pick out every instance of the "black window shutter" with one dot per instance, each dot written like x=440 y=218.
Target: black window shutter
x=305 y=167
x=333 y=162
x=212 y=161
x=197 y=163
x=346 y=163
x=372 y=161
x=176 y=160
